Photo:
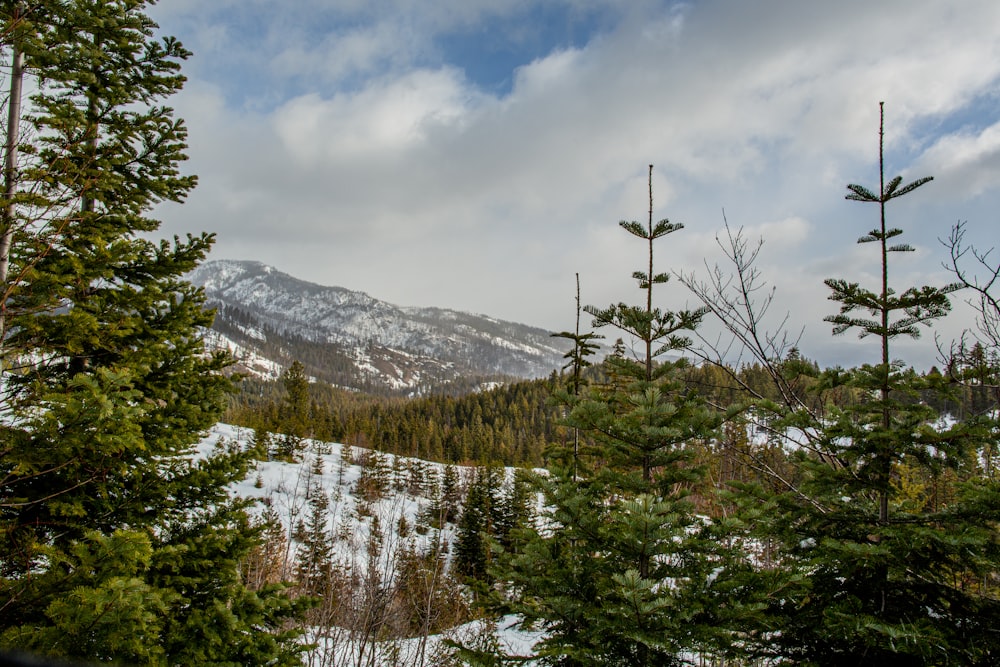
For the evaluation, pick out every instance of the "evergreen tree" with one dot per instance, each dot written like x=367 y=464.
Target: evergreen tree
x=114 y=544
x=15 y=33
x=314 y=561
x=584 y=346
x=478 y=523
x=869 y=576
x=446 y=508
x=293 y=416
x=618 y=575
x=296 y=404
x=516 y=511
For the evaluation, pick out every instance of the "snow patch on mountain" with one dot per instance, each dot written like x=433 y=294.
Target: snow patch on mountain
x=400 y=347
x=248 y=361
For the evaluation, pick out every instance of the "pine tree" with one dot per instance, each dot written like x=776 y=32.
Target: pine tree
x=584 y=346
x=516 y=512
x=296 y=402
x=114 y=544
x=447 y=505
x=870 y=577
x=615 y=576
x=477 y=524
x=293 y=417
x=314 y=561
x=15 y=32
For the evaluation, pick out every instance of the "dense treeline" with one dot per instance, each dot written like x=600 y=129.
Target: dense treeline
x=508 y=424
x=516 y=422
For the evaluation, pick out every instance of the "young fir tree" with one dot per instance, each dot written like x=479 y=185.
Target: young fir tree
x=478 y=523
x=872 y=577
x=619 y=572
x=314 y=559
x=114 y=545
x=584 y=346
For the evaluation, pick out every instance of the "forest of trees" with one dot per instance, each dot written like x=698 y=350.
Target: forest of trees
x=508 y=424
x=817 y=516
x=690 y=511
x=866 y=533
x=516 y=422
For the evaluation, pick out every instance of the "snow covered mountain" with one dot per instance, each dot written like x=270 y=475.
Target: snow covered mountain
x=269 y=318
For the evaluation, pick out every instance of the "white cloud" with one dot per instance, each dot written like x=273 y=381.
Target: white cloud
x=541 y=75
x=414 y=185
x=386 y=117
x=967 y=162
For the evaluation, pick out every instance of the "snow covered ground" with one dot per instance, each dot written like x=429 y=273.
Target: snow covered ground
x=397 y=519
x=336 y=469
x=333 y=651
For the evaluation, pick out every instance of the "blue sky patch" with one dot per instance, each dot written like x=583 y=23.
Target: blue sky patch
x=490 y=51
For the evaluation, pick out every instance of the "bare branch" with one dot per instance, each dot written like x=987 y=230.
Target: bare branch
x=977 y=271
x=739 y=297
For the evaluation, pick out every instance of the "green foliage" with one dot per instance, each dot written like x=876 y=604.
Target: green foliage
x=296 y=405
x=114 y=544
x=509 y=423
x=107 y=611
x=480 y=521
x=619 y=558
x=868 y=572
x=314 y=561
x=583 y=347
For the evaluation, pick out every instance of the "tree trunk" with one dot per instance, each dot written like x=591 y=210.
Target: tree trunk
x=10 y=179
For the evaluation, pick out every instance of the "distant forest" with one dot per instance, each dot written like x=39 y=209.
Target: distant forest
x=515 y=422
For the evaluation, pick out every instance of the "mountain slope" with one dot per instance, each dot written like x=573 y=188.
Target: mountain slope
x=352 y=339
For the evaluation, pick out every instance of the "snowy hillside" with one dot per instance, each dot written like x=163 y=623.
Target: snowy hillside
x=379 y=519
x=337 y=469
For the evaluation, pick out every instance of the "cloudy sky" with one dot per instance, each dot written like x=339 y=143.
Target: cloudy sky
x=477 y=154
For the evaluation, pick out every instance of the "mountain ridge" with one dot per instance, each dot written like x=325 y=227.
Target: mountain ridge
x=366 y=343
